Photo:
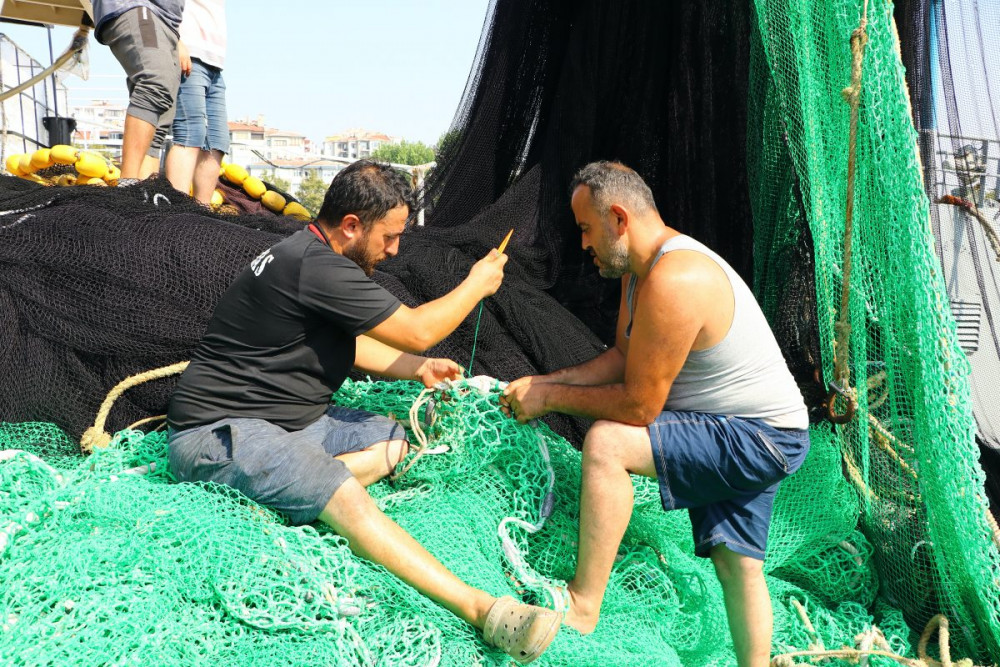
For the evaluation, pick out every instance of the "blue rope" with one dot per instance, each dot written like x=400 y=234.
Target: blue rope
x=475 y=337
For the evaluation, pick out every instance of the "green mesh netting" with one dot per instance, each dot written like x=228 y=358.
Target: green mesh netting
x=106 y=561
x=910 y=451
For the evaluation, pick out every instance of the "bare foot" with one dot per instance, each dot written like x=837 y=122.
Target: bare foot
x=580 y=615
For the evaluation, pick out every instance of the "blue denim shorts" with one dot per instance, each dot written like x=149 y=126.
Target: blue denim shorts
x=201 y=119
x=725 y=471
x=293 y=472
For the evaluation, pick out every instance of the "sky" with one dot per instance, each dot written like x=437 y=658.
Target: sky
x=975 y=68
x=320 y=67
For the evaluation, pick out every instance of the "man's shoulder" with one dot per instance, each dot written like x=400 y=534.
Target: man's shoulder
x=685 y=268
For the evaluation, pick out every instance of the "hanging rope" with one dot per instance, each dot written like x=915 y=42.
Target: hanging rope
x=841 y=356
x=973 y=210
x=475 y=337
x=96 y=436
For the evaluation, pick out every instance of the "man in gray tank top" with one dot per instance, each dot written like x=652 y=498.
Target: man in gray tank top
x=695 y=392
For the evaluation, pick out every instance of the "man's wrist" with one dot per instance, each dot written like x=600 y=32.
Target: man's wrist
x=546 y=389
x=418 y=367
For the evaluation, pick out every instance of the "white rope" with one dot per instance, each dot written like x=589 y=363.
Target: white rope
x=557 y=594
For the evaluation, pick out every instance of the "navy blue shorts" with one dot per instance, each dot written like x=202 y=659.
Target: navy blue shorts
x=294 y=472
x=725 y=471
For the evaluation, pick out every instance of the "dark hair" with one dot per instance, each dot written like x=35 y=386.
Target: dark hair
x=369 y=190
x=610 y=181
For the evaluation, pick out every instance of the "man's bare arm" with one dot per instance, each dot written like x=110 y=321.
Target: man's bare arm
x=378 y=358
x=416 y=329
x=606 y=368
x=670 y=316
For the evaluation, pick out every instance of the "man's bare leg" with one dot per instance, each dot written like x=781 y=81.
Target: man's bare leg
x=370 y=465
x=150 y=165
x=748 y=605
x=181 y=162
x=206 y=175
x=610 y=452
x=136 y=140
x=352 y=513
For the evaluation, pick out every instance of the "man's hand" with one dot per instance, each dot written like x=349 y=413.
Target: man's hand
x=432 y=371
x=185 y=58
x=487 y=273
x=524 y=399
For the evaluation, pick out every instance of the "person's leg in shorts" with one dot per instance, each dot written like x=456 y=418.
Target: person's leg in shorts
x=201 y=133
x=146 y=48
x=694 y=456
x=321 y=472
x=206 y=173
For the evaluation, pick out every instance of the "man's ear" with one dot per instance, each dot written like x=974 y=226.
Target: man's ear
x=350 y=226
x=621 y=217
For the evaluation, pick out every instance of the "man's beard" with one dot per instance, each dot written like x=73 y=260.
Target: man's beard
x=360 y=254
x=614 y=262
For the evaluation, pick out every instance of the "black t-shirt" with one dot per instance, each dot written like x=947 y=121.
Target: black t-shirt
x=282 y=338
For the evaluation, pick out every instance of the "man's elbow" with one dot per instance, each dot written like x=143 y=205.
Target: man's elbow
x=415 y=343
x=412 y=334
x=643 y=410
x=644 y=415
x=634 y=414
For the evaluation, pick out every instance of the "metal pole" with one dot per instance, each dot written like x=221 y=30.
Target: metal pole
x=52 y=61
x=20 y=99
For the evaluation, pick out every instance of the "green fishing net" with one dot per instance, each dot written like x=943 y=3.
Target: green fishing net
x=108 y=561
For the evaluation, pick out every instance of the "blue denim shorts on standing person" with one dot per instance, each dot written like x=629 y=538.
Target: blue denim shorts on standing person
x=726 y=471
x=294 y=472
x=201 y=119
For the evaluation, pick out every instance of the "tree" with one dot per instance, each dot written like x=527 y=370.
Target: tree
x=404 y=152
x=311 y=191
x=278 y=182
x=447 y=144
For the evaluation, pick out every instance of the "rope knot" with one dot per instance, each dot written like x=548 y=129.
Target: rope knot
x=94 y=437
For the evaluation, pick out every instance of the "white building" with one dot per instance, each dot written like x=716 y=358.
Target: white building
x=354 y=144
x=250 y=142
x=295 y=170
x=100 y=125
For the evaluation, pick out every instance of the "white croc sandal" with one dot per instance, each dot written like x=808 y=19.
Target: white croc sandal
x=522 y=631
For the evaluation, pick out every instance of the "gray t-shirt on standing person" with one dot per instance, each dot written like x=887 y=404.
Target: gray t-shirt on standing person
x=282 y=338
x=170 y=11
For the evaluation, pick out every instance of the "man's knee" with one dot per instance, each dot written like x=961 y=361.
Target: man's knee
x=154 y=95
x=735 y=568
x=395 y=451
x=600 y=444
x=614 y=444
x=349 y=505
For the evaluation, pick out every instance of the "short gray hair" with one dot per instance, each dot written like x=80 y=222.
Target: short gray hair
x=613 y=181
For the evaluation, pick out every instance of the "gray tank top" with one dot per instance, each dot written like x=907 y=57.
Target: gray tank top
x=744 y=375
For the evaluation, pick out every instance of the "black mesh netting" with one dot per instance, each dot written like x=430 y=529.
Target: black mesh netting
x=951 y=50
x=556 y=84
x=98 y=284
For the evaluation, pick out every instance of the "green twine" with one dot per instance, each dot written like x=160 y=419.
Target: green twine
x=475 y=337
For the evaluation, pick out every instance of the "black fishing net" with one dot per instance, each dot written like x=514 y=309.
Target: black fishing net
x=951 y=49
x=98 y=284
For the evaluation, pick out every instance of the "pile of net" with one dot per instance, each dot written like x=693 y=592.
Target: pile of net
x=107 y=561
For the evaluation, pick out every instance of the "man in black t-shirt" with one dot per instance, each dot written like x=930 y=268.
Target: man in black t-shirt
x=252 y=409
